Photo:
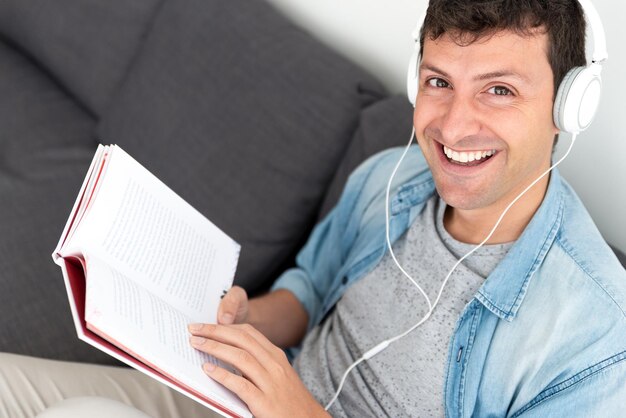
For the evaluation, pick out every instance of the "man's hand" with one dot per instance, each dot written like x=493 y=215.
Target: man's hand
x=268 y=385
x=278 y=315
x=234 y=308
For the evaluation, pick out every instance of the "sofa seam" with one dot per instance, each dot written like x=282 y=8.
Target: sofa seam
x=131 y=63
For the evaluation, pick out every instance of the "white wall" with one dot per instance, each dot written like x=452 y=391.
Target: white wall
x=376 y=34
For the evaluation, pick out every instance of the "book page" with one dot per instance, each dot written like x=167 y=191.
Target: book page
x=152 y=236
x=139 y=322
x=81 y=200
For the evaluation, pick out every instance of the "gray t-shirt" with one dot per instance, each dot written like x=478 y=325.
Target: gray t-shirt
x=407 y=378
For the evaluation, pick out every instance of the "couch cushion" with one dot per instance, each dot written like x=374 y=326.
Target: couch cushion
x=46 y=145
x=245 y=116
x=383 y=125
x=86 y=44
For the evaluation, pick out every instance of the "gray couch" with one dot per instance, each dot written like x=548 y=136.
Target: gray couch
x=246 y=116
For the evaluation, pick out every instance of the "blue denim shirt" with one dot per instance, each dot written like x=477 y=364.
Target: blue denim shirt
x=545 y=336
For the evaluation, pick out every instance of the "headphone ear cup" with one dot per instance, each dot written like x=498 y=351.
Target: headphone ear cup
x=561 y=98
x=412 y=76
x=577 y=99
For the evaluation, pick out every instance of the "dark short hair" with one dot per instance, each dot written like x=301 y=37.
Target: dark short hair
x=469 y=20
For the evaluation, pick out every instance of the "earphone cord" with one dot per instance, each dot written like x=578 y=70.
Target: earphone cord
x=431 y=306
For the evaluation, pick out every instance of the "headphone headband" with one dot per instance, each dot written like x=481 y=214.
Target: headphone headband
x=597 y=29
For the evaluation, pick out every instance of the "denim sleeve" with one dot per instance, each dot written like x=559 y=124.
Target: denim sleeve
x=599 y=391
x=316 y=267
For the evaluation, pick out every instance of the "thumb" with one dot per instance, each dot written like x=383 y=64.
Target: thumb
x=233 y=307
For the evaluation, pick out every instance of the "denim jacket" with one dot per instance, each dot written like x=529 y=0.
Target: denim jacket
x=545 y=335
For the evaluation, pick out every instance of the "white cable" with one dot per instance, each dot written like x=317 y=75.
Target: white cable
x=393 y=174
x=431 y=306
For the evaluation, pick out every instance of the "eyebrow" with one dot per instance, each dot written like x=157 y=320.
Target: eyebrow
x=480 y=77
x=498 y=74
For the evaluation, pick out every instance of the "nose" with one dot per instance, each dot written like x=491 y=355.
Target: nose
x=458 y=120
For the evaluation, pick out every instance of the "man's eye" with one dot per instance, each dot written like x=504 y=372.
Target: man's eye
x=438 y=82
x=500 y=91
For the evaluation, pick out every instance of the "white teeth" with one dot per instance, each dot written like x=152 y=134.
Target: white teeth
x=464 y=157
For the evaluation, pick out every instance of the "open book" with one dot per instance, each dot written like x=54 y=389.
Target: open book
x=140 y=264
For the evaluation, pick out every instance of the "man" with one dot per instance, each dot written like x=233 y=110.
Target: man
x=532 y=324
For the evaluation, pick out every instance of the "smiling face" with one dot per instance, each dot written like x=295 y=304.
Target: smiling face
x=483 y=119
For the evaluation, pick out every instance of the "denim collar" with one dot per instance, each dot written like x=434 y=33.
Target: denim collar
x=504 y=290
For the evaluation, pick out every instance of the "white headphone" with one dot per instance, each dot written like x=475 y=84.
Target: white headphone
x=578 y=94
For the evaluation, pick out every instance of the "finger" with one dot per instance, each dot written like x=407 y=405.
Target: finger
x=232 y=307
x=269 y=346
x=242 y=359
x=243 y=336
x=242 y=387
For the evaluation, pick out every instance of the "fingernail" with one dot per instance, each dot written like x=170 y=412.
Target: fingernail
x=197 y=340
x=226 y=318
x=194 y=327
x=208 y=367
